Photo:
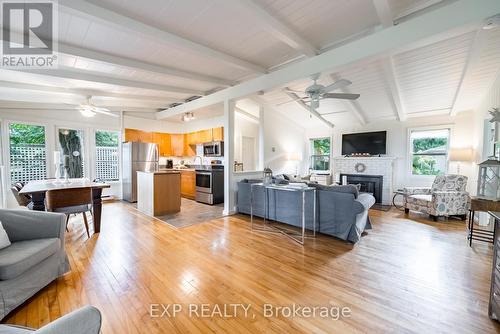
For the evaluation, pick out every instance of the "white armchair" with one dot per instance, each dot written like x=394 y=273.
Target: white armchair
x=447 y=197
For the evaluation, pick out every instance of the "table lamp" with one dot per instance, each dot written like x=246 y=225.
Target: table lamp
x=461 y=154
x=294 y=157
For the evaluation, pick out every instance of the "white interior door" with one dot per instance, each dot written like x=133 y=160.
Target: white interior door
x=248 y=153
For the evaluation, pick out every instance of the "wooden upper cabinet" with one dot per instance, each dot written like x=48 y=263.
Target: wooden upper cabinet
x=189 y=148
x=138 y=136
x=218 y=134
x=177 y=144
x=164 y=143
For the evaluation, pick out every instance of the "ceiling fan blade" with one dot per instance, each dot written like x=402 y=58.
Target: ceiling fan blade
x=105 y=112
x=293 y=91
x=342 y=96
x=337 y=84
x=294 y=100
x=334 y=112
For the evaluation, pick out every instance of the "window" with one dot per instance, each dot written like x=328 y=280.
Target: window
x=106 y=155
x=72 y=152
x=320 y=154
x=28 y=153
x=429 y=151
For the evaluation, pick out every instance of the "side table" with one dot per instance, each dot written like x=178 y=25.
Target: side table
x=485 y=205
x=297 y=237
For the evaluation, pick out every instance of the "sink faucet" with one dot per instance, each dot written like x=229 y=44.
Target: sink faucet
x=201 y=160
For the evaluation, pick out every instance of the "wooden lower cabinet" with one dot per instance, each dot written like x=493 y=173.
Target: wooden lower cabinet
x=188 y=184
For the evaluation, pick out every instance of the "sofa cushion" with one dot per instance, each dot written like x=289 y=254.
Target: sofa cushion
x=22 y=255
x=348 y=188
x=13 y=329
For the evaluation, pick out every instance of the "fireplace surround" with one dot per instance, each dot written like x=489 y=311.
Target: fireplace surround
x=369 y=184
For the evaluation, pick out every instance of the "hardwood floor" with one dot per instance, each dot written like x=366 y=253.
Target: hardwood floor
x=407 y=275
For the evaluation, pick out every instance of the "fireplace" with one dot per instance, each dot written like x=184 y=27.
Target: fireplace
x=369 y=184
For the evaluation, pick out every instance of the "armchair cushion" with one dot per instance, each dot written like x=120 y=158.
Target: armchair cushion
x=28 y=225
x=23 y=255
x=417 y=190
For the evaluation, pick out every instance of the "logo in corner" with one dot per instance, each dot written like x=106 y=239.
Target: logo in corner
x=29 y=34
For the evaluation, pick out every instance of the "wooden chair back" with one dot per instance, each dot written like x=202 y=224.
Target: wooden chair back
x=21 y=200
x=63 y=198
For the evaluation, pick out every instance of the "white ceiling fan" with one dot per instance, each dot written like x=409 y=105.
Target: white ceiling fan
x=317 y=92
x=88 y=109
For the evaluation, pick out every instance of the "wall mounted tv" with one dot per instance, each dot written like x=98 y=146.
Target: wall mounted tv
x=373 y=143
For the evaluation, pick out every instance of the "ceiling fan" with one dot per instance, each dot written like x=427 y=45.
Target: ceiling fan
x=317 y=92
x=88 y=109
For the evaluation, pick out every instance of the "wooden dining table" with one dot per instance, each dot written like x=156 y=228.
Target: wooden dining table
x=37 y=189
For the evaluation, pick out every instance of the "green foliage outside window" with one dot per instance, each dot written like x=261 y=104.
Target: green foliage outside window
x=27 y=134
x=320 y=158
x=106 y=139
x=429 y=155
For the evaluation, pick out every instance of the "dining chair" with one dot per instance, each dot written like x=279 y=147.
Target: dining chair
x=22 y=200
x=70 y=201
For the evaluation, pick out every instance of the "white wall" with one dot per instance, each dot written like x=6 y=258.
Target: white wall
x=281 y=137
x=243 y=127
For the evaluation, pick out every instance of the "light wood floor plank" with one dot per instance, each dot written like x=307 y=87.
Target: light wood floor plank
x=407 y=275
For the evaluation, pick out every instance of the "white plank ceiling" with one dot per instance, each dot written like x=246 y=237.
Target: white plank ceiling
x=219 y=43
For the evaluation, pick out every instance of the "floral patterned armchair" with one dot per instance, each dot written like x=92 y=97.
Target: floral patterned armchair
x=447 y=197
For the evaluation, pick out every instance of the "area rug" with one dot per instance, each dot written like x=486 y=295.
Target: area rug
x=193 y=213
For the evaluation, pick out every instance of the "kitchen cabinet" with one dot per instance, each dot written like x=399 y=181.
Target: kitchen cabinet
x=177 y=144
x=218 y=134
x=188 y=184
x=138 y=136
x=189 y=148
x=163 y=141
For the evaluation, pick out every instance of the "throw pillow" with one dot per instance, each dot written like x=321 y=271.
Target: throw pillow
x=4 y=238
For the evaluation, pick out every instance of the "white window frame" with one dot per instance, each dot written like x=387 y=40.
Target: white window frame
x=6 y=147
x=311 y=151
x=93 y=144
x=409 y=150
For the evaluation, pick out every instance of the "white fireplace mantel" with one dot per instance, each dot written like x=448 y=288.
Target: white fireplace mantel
x=383 y=166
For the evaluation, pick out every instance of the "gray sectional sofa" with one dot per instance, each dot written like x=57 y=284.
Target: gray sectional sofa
x=341 y=211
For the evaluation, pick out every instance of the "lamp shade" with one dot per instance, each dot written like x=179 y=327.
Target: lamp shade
x=461 y=154
x=293 y=157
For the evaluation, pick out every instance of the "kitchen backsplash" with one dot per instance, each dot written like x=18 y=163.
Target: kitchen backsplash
x=190 y=160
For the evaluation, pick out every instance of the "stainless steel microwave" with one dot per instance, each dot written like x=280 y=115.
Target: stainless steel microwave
x=213 y=149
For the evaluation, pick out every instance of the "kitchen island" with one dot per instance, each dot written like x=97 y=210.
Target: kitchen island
x=159 y=193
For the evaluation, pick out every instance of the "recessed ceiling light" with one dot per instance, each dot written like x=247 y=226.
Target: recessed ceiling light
x=492 y=22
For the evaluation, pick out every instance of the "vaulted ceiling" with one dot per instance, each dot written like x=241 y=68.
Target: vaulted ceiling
x=141 y=56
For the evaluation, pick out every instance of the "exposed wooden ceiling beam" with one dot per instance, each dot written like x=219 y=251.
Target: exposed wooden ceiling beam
x=442 y=23
x=97 y=78
x=86 y=92
x=124 y=23
x=352 y=105
x=279 y=29
x=472 y=59
x=385 y=16
x=97 y=56
x=384 y=12
x=394 y=88
x=310 y=110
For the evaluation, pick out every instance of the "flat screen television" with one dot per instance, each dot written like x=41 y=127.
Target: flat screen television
x=373 y=143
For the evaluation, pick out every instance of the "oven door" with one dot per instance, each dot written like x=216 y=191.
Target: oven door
x=204 y=182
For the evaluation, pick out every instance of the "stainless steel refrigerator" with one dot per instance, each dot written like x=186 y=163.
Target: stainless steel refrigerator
x=137 y=157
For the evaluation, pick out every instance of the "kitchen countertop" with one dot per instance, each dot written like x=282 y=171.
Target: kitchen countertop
x=177 y=169
x=162 y=172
